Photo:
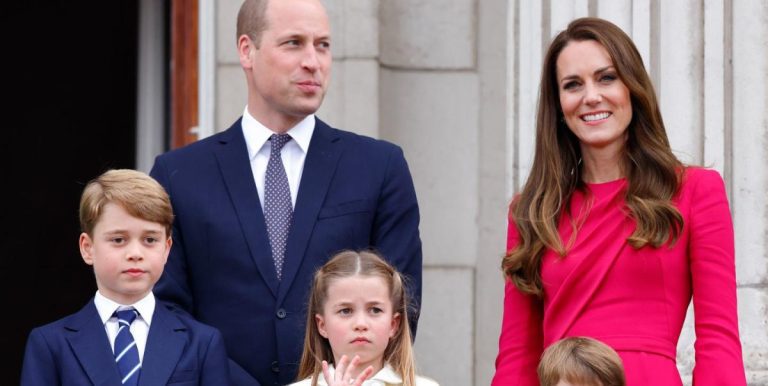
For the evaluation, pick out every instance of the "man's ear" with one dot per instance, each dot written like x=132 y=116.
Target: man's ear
x=244 y=47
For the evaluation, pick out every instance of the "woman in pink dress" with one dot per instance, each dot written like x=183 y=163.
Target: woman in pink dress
x=612 y=235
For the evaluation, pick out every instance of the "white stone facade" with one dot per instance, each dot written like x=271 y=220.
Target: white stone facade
x=455 y=84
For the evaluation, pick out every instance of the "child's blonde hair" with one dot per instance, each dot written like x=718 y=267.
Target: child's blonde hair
x=136 y=192
x=399 y=351
x=581 y=361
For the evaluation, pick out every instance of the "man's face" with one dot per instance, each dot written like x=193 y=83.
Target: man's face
x=290 y=69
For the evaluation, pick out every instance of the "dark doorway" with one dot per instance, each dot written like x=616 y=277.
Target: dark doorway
x=69 y=85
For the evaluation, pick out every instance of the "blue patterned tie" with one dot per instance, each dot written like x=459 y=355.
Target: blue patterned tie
x=278 y=210
x=126 y=352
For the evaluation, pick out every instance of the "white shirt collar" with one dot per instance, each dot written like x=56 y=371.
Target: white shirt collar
x=256 y=134
x=387 y=375
x=107 y=307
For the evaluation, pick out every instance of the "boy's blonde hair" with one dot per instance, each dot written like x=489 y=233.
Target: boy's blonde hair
x=399 y=351
x=581 y=361
x=136 y=192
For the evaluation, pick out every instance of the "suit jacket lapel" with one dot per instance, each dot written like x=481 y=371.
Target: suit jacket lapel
x=319 y=166
x=165 y=343
x=235 y=167
x=88 y=339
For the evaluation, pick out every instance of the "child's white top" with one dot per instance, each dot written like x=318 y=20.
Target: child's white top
x=385 y=377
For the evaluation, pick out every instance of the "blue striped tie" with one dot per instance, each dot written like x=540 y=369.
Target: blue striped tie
x=126 y=352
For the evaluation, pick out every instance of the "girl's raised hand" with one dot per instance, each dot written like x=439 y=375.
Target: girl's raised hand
x=344 y=375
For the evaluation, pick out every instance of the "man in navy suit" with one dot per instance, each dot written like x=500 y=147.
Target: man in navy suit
x=229 y=267
x=126 y=219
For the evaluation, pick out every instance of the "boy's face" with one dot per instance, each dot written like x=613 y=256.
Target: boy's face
x=127 y=254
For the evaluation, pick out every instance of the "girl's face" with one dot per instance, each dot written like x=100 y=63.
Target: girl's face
x=358 y=319
x=595 y=102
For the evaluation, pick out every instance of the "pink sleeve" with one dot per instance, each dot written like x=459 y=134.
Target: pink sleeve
x=711 y=253
x=520 y=343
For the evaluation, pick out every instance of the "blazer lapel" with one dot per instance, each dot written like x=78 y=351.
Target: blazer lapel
x=165 y=343
x=89 y=342
x=235 y=167
x=319 y=166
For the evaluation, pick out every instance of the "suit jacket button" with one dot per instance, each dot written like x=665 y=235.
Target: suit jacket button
x=275 y=367
x=281 y=314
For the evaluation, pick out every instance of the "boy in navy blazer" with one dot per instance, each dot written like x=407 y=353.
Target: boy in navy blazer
x=126 y=219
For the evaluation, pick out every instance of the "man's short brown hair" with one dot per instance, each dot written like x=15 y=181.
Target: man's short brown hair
x=252 y=20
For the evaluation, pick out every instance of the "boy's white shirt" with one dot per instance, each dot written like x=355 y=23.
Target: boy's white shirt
x=139 y=328
x=385 y=377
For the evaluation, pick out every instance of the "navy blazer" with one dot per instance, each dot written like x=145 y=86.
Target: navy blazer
x=75 y=350
x=355 y=192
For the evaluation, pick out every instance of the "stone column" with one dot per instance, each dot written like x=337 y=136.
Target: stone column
x=429 y=100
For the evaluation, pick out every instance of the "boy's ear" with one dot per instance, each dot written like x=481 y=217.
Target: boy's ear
x=86 y=248
x=321 y=325
x=168 y=243
x=395 y=324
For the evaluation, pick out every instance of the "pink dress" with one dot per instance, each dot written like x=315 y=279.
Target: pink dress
x=633 y=300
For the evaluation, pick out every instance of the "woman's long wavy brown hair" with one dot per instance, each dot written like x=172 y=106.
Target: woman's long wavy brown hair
x=652 y=170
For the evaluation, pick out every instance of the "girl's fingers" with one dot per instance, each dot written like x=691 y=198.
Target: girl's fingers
x=348 y=374
x=363 y=376
x=326 y=373
x=344 y=373
x=341 y=368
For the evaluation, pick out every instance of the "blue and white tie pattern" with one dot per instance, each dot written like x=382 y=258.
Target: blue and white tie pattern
x=278 y=210
x=126 y=352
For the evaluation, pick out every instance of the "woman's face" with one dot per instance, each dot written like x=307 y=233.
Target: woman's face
x=596 y=104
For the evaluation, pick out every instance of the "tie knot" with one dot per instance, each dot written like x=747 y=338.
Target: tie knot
x=279 y=140
x=126 y=316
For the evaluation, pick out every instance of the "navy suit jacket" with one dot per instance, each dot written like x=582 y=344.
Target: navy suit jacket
x=75 y=350
x=355 y=192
